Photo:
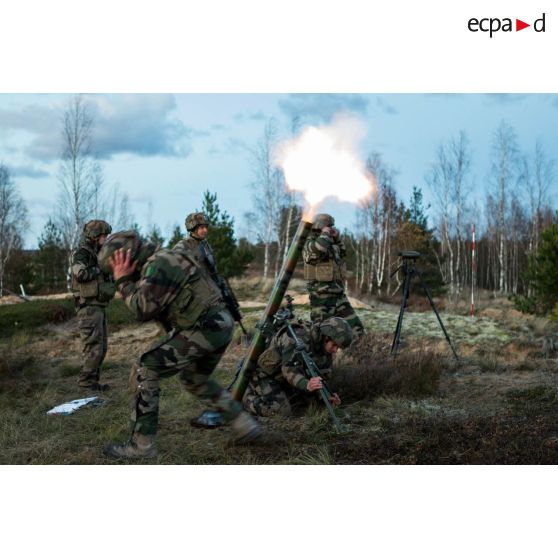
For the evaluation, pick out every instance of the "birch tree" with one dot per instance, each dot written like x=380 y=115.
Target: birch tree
x=535 y=180
x=76 y=172
x=13 y=220
x=504 y=165
x=268 y=189
x=448 y=181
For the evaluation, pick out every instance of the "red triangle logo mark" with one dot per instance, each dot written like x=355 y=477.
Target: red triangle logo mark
x=519 y=25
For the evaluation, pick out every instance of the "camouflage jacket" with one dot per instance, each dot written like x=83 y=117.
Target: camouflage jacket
x=280 y=361
x=195 y=245
x=90 y=286
x=172 y=288
x=324 y=263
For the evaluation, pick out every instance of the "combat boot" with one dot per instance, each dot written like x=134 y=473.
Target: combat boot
x=139 y=446
x=96 y=386
x=245 y=428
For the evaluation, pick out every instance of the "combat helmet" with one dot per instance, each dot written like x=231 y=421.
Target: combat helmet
x=338 y=330
x=322 y=220
x=128 y=240
x=195 y=220
x=94 y=229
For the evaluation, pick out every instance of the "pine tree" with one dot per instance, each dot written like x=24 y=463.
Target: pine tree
x=542 y=276
x=154 y=235
x=49 y=269
x=176 y=237
x=412 y=233
x=417 y=210
x=231 y=259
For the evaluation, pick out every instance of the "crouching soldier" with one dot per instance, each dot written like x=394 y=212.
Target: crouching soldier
x=93 y=290
x=324 y=269
x=169 y=286
x=279 y=381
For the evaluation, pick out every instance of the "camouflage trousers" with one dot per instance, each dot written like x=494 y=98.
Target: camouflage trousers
x=93 y=334
x=329 y=305
x=266 y=396
x=193 y=354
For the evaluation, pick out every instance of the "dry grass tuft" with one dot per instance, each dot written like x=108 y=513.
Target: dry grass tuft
x=367 y=370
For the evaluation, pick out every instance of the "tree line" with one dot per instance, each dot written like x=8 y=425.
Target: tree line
x=517 y=209
x=516 y=213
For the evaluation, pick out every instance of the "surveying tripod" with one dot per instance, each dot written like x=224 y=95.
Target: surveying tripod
x=409 y=269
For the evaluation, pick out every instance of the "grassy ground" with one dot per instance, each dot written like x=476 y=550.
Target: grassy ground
x=498 y=405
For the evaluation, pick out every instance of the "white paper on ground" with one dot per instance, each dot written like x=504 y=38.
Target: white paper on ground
x=72 y=406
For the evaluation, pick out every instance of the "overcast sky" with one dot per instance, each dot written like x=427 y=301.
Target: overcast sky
x=164 y=150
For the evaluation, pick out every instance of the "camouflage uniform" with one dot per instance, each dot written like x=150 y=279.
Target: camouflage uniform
x=324 y=270
x=173 y=289
x=92 y=290
x=279 y=382
x=193 y=242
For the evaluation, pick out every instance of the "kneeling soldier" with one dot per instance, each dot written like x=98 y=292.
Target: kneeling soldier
x=279 y=380
x=169 y=286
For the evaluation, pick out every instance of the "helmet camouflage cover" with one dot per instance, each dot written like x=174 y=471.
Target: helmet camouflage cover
x=128 y=240
x=322 y=220
x=94 y=229
x=338 y=330
x=195 y=220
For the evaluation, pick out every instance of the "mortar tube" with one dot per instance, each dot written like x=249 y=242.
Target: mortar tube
x=274 y=302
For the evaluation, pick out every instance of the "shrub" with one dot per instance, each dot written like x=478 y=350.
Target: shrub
x=367 y=370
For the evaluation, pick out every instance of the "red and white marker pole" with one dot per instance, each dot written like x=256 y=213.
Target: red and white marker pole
x=473 y=272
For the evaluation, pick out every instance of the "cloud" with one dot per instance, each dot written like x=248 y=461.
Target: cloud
x=244 y=116
x=321 y=107
x=199 y=133
x=139 y=124
x=506 y=98
x=29 y=171
x=142 y=124
x=235 y=146
x=31 y=118
x=384 y=106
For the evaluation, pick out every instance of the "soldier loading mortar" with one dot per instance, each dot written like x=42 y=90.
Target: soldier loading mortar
x=324 y=269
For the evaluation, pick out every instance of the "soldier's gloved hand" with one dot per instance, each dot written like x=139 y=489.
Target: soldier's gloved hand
x=314 y=384
x=335 y=399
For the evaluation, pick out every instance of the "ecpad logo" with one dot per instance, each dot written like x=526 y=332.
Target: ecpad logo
x=493 y=25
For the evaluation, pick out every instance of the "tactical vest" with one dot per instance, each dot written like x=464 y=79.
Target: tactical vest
x=329 y=270
x=194 y=246
x=271 y=359
x=198 y=295
x=98 y=291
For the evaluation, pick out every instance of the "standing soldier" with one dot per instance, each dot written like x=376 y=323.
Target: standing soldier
x=280 y=381
x=171 y=287
x=324 y=270
x=92 y=290
x=197 y=227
